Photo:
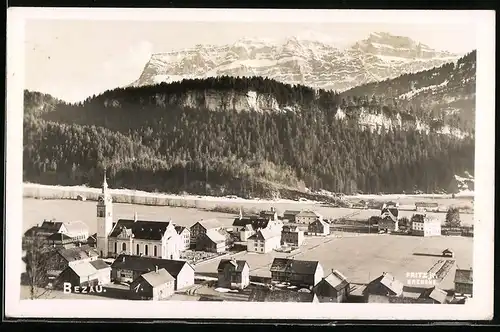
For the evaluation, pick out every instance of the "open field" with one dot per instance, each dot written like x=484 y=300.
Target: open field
x=364 y=257
x=35 y=210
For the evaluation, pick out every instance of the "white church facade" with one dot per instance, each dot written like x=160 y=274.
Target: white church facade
x=132 y=236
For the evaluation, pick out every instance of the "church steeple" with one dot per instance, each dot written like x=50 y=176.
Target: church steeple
x=104 y=183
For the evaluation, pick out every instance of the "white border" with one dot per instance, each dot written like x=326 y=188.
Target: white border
x=480 y=307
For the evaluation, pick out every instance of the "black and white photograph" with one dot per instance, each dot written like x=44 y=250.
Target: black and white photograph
x=282 y=164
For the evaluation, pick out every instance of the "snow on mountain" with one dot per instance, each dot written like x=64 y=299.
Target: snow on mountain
x=309 y=58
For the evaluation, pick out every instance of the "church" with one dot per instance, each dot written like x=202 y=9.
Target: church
x=132 y=236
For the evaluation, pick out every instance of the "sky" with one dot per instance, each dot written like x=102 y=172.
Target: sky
x=74 y=59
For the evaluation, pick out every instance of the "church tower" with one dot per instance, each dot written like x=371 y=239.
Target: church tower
x=104 y=219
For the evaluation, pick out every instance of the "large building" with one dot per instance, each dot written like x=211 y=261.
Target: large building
x=318 y=227
x=424 y=225
x=132 y=236
x=128 y=268
x=292 y=235
x=289 y=215
x=388 y=221
x=307 y=217
x=296 y=272
x=58 y=233
x=200 y=228
x=263 y=241
x=90 y=273
x=185 y=237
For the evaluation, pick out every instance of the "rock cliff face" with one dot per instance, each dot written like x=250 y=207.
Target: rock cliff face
x=298 y=61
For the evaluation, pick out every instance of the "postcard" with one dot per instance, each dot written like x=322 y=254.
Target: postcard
x=250 y=164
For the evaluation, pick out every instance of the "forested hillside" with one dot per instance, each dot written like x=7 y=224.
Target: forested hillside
x=447 y=92
x=149 y=140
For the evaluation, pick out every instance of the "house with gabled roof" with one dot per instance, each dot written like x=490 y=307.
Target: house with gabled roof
x=185 y=236
x=296 y=272
x=212 y=241
x=87 y=273
x=307 y=217
x=384 y=285
x=200 y=228
x=232 y=273
x=60 y=259
x=318 y=228
x=332 y=288
x=145 y=238
x=425 y=225
x=263 y=241
x=61 y=240
x=388 y=221
x=464 y=282
x=154 y=285
x=269 y=214
x=292 y=236
x=127 y=268
x=290 y=215
x=436 y=295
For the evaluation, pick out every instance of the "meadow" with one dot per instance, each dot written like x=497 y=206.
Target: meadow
x=362 y=258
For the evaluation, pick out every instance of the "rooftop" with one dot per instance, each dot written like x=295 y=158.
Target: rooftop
x=464 y=276
x=146 y=264
x=141 y=229
x=238 y=264
x=156 y=278
x=294 y=266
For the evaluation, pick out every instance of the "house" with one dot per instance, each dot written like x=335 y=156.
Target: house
x=281 y=295
x=77 y=229
x=296 y=272
x=200 y=228
x=61 y=258
x=423 y=225
x=269 y=214
x=185 y=237
x=246 y=232
x=388 y=221
x=88 y=273
x=318 y=227
x=448 y=253
x=145 y=237
x=264 y=241
x=50 y=227
x=154 y=285
x=127 y=268
x=332 y=288
x=426 y=206
x=307 y=217
x=292 y=235
x=385 y=285
x=435 y=295
x=290 y=215
x=61 y=240
x=233 y=273
x=464 y=282
x=92 y=240
x=211 y=241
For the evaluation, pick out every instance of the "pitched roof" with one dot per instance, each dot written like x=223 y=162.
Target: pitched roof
x=142 y=229
x=294 y=266
x=292 y=212
x=463 y=276
x=76 y=226
x=99 y=264
x=308 y=213
x=51 y=226
x=389 y=281
x=255 y=222
x=78 y=253
x=180 y=229
x=448 y=250
x=215 y=236
x=239 y=265
x=264 y=234
x=336 y=279
x=84 y=269
x=209 y=223
x=156 y=278
x=438 y=295
x=146 y=264
x=59 y=237
x=290 y=229
x=33 y=231
x=391 y=213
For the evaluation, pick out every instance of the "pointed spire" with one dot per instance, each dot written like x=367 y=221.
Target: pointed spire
x=104 y=183
x=241 y=214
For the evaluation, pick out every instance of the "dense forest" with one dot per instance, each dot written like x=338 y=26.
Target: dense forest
x=447 y=91
x=169 y=148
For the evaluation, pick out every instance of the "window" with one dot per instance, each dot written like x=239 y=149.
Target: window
x=116 y=247
x=155 y=253
x=146 y=249
x=137 y=249
x=124 y=246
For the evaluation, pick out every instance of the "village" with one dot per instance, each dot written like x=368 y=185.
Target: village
x=262 y=257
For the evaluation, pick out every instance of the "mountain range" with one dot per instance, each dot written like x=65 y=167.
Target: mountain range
x=298 y=60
